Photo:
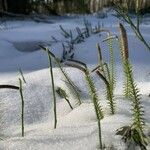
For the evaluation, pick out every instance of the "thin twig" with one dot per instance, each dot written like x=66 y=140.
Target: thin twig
x=22 y=107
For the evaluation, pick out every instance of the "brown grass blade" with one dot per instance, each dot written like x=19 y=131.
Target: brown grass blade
x=124 y=41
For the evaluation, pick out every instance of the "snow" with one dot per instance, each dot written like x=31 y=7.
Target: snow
x=77 y=128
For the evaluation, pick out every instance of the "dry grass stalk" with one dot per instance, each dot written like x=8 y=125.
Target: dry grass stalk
x=9 y=87
x=75 y=66
x=124 y=41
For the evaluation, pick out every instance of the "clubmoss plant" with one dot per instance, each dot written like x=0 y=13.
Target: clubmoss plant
x=137 y=127
x=124 y=57
x=109 y=92
x=107 y=75
x=69 y=81
x=92 y=90
x=112 y=62
x=111 y=65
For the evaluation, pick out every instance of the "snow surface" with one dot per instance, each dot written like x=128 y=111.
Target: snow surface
x=77 y=128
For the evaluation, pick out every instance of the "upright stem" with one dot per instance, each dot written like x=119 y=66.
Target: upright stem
x=22 y=107
x=53 y=89
x=98 y=111
x=92 y=90
x=100 y=134
x=22 y=75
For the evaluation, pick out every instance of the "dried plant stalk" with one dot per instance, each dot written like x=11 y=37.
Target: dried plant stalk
x=124 y=42
x=124 y=56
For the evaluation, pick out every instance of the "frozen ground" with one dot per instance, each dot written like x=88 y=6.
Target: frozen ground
x=77 y=128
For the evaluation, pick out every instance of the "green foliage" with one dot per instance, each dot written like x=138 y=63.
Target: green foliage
x=107 y=75
x=94 y=96
x=137 y=107
x=111 y=75
x=124 y=51
x=137 y=133
x=92 y=91
x=112 y=63
x=138 y=122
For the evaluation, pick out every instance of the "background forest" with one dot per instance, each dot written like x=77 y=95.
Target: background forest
x=61 y=6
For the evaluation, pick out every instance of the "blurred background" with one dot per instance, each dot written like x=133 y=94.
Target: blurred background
x=60 y=7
